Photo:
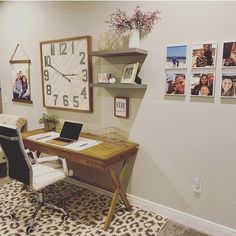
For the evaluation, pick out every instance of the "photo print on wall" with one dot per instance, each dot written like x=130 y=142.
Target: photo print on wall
x=228 y=85
x=21 y=82
x=202 y=84
x=176 y=57
x=204 y=55
x=175 y=84
x=229 y=54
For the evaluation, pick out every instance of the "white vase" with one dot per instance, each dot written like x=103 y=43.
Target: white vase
x=134 y=38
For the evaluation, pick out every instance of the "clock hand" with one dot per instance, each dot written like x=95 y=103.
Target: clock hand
x=60 y=73
x=70 y=74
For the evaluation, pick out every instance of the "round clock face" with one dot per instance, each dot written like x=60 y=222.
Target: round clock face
x=66 y=73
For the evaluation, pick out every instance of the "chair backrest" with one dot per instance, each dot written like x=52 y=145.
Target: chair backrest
x=19 y=121
x=19 y=166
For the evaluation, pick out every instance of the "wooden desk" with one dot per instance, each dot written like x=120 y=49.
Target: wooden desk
x=98 y=156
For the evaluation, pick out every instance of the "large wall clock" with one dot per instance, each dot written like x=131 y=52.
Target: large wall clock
x=67 y=73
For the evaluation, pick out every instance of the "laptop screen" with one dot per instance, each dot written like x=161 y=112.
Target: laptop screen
x=71 y=130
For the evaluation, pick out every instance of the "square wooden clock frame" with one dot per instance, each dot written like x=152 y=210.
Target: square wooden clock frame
x=121 y=107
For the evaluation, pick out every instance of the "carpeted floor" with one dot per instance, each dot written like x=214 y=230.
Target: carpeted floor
x=87 y=212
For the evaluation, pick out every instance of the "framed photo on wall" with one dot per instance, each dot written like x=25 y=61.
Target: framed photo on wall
x=175 y=84
x=21 y=81
x=176 y=57
x=228 y=85
x=229 y=54
x=129 y=73
x=121 y=107
x=202 y=84
x=204 y=55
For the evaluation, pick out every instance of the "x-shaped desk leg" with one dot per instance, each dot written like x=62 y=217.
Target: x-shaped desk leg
x=118 y=192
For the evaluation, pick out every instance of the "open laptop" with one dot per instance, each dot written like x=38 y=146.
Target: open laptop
x=70 y=133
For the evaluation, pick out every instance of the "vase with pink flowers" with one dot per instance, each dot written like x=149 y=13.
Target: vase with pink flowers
x=135 y=25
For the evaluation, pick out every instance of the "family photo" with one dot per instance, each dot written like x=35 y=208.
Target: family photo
x=175 y=84
x=204 y=55
x=203 y=84
x=176 y=57
x=20 y=75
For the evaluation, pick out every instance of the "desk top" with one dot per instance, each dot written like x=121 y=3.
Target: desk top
x=100 y=155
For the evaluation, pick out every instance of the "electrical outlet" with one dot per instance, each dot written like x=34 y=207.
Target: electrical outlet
x=197 y=187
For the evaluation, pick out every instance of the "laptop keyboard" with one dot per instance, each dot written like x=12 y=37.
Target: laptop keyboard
x=64 y=140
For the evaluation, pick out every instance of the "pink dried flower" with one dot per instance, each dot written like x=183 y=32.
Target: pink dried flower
x=144 y=22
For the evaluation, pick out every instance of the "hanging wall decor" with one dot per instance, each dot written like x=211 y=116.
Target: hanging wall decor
x=66 y=67
x=176 y=57
x=20 y=78
x=228 y=83
x=204 y=55
x=202 y=84
x=121 y=107
x=175 y=84
x=229 y=54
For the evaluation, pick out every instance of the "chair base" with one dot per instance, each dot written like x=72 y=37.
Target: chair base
x=39 y=204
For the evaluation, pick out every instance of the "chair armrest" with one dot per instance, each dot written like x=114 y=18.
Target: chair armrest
x=50 y=158
x=32 y=155
x=54 y=158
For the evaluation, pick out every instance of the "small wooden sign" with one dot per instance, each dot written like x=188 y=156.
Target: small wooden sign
x=121 y=107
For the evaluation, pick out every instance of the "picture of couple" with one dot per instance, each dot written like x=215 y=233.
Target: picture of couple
x=20 y=76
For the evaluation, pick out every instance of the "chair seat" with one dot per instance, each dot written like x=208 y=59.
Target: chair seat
x=44 y=176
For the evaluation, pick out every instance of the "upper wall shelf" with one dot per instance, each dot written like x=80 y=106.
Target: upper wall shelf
x=123 y=52
x=120 y=86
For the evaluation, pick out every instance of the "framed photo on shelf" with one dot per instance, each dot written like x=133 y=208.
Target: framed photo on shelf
x=204 y=55
x=121 y=107
x=129 y=73
x=229 y=54
x=203 y=84
x=176 y=57
x=21 y=81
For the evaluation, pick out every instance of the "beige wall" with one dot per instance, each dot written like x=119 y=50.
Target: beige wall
x=179 y=140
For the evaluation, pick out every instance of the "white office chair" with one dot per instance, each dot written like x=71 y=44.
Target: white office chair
x=34 y=175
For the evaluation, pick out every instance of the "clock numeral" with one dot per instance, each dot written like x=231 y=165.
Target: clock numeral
x=46 y=75
x=47 y=60
x=53 y=49
x=65 y=100
x=62 y=48
x=73 y=47
x=56 y=97
x=85 y=73
x=82 y=61
x=76 y=101
x=48 y=89
x=84 y=93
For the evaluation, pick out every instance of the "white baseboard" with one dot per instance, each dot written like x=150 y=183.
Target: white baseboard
x=183 y=218
x=180 y=217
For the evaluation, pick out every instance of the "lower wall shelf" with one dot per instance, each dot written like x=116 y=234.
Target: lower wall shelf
x=120 y=86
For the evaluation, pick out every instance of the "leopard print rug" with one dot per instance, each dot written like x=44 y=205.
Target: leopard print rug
x=87 y=212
